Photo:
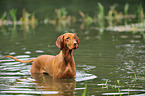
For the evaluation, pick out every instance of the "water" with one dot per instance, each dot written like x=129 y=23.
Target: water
x=108 y=63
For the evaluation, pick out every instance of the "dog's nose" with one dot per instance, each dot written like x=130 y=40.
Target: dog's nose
x=75 y=43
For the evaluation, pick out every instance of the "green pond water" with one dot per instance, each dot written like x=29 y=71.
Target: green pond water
x=108 y=63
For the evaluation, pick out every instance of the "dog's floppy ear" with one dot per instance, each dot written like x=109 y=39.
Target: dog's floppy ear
x=60 y=42
x=77 y=39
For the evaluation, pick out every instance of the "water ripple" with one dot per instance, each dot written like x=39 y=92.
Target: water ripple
x=82 y=76
x=30 y=92
x=11 y=63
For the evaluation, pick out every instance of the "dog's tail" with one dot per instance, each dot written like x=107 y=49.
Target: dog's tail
x=28 y=61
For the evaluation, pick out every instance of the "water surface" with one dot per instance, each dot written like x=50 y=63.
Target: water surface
x=108 y=63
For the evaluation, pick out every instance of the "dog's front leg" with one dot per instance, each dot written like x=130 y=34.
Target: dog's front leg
x=67 y=73
x=64 y=73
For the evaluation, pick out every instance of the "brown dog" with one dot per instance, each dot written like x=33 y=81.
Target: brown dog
x=61 y=65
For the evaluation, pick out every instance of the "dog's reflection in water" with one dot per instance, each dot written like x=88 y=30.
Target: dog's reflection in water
x=45 y=82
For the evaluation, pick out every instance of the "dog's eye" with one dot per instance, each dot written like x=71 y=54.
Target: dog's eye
x=74 y=37
x=67 y=38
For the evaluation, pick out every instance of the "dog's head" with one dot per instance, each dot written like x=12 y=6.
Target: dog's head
x=67 y=40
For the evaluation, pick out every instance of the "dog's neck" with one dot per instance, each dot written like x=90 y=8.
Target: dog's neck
x=67 y=55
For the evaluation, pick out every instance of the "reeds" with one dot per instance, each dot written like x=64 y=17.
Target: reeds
x=126 y=7
x=86 y=20
x=111 y=14
x=3 y=17
x=62 y=17
x=13 y=13
x=140 y=13
x=85 y=90
x=63 y=21
x=101 y=15
x=26 y=19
